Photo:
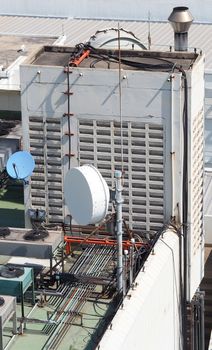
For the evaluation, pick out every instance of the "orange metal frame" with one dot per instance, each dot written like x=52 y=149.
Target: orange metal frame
x=99 y=241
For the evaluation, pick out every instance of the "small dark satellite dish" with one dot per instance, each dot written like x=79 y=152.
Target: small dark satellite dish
x=20 y=165
x=2 y=301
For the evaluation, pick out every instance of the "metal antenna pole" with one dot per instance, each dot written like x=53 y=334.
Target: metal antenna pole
x=120 y=102
x=149 y=31
x=119 y=222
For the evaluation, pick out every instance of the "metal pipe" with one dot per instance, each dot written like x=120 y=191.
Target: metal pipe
x=131 y=264
x=125 y=272
x=50 y=293
x=202 y=320
x=180 y=20
x=119 y=222
x=9 y=344
x=181 y=41
x=101 y=241
x=92 y=262
x=173 y=155
x=35 y=320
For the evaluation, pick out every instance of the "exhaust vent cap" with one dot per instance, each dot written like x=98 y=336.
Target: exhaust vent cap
x=180 y=19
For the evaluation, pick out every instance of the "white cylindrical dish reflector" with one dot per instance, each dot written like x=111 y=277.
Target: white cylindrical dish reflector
x=86 y=195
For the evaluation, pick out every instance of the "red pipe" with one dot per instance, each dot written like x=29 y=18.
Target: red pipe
x=99 y=241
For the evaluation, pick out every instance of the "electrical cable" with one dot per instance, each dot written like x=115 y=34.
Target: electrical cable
x=184 y=273
x=185 y=203
x=167 y=64
x=92 y=65
x=99 y=54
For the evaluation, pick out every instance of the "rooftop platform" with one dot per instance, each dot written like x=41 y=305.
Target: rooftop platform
x=60 y=56
x=14 y=46
x=79 y=337
x=73 y=318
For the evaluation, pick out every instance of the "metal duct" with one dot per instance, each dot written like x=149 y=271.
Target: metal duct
x=180 y=20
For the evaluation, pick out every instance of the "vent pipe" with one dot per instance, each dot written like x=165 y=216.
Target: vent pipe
x=180 y=20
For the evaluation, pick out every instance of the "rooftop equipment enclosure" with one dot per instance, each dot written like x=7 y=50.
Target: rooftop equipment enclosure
x=64 y=130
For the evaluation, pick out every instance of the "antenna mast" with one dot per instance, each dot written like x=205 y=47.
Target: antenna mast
x=120 y=100
x=149 y=31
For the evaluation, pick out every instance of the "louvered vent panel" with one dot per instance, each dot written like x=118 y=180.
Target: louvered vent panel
x=197 y=183
x=46 y=181
x=100 y=145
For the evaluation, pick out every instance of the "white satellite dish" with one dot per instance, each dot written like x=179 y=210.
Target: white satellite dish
x=86 y=195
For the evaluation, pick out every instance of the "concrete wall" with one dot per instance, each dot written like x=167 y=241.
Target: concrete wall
x=122 y=9
x=150 y=318
x=10 y=101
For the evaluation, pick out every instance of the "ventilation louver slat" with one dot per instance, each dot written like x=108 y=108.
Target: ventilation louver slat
x=46 y=181
x=100 y=145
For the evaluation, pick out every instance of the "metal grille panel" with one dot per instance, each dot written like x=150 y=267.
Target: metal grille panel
x=143 y=164
x=46 y=181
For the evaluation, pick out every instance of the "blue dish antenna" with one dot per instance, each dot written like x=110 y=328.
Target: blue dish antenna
x=20 y=165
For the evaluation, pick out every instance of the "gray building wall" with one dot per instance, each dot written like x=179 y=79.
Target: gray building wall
x=121 y=9
x=151 y=306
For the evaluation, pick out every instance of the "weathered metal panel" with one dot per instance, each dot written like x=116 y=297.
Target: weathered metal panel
x=16 y=245
x=101 y=87
x=147 y=103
